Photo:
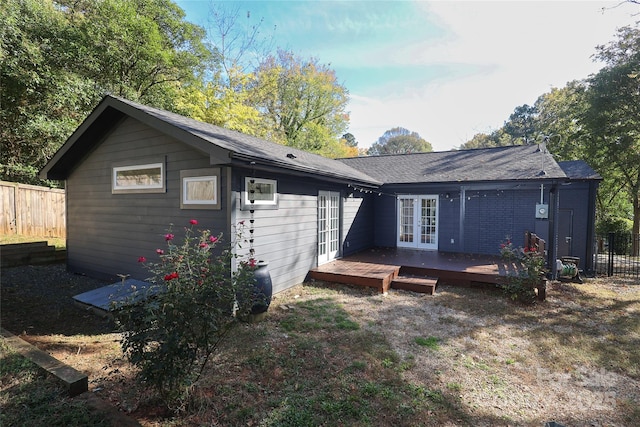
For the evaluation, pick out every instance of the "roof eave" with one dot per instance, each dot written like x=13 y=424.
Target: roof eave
x=73 y=150
x=257 y=163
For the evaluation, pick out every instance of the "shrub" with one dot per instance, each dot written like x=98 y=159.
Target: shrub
x=194 y=301
x=522 y=285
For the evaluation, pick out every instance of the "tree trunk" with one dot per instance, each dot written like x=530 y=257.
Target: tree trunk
x=635 y=231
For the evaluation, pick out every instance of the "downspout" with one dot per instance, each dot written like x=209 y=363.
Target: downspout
x=463 y=198
x=554 y=204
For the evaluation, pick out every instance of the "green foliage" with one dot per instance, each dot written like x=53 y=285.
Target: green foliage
x=497 y=138
x=613 y=118
x=42 y=98
x=229 y=107
x=138 y=49
x=429 y=342
x=558 y=118
x=530 y=265
x=399 y=141
x=613 y=224
x=31 y=397
x=302 y=100
x=521 y=125
x=58 y=59
x=194 y=302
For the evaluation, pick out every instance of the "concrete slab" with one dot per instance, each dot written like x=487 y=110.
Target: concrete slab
x=129 y=290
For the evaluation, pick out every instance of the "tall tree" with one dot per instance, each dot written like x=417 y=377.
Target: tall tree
x=521 y=125
x=303 y=101
x=497 y=138
x=142 y=50
x=350 y=140
x=238 y=41
x=558 y=120
x=399 y=141
x=613 y=116
x=42 y=97
x=58 y=58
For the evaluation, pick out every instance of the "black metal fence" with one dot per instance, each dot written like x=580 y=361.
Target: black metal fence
x=617 y=254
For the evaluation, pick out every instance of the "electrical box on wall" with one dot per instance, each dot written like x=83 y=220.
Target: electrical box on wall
x=542 y=211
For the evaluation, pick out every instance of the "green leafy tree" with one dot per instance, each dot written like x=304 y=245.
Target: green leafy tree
x=142 y=50
x=229 y=107
x=521 y=125
x=303 y=101
x=399 y=141
x=558 y=121
x=613 y=117
x=497 y=138
x=42 y=97
x=350 y=140
x=57 y=59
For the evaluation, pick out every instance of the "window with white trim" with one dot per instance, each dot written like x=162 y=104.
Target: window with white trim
x=144 y=178
x=200 y=189
x=260 y=192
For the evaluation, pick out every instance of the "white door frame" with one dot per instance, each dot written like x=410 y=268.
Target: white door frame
x=328 y=226
x=417 y=222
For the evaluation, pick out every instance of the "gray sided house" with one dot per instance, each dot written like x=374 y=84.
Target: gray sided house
x=131 y=170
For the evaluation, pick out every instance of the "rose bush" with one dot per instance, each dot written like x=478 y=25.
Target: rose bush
x=530 y=272
x=196 y=297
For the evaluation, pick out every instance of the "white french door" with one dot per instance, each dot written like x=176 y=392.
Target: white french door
x=418 y=221
x=328 y=226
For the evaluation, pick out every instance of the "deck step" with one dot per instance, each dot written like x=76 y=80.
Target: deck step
x=423 y=285
x=378 y=276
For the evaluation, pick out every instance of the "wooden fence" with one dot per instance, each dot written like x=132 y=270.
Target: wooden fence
x=30 y=210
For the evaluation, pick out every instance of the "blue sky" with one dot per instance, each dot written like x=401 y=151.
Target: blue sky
x=445 y=69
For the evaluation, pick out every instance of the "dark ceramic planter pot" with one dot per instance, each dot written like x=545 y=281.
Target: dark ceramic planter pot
x=263 y=289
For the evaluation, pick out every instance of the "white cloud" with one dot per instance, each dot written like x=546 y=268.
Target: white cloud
x=516 y=51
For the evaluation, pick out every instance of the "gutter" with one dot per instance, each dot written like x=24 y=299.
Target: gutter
x=251 y=162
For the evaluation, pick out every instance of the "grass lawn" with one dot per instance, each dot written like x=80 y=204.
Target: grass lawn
x=28 y=397
x=58 y=242
x=333 y=355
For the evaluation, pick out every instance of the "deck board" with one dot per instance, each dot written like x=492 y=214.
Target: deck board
x=366 y=274
x=374 y=267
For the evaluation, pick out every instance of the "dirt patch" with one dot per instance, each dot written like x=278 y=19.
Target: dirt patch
x=572 y=359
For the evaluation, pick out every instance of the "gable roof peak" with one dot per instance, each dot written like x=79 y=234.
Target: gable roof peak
x=203 y=136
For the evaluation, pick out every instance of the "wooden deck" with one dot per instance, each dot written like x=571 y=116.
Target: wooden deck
x=414 y=270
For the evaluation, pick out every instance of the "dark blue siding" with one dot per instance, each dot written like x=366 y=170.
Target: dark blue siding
x=489 y=216
x=449 y=217
x=385 y=220
x=575 y=197
x=494 y=215
x=358 y=223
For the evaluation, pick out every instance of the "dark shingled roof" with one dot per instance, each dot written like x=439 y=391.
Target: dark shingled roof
x=240 y=146
x=523 y=162
x=578 y=169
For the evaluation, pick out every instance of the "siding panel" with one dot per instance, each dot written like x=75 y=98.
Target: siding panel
x=285 y=237
x=108 y=232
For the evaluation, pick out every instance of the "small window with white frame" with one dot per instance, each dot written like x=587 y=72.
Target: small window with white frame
x=200 y=189
x=140 y=178
x=260 y=192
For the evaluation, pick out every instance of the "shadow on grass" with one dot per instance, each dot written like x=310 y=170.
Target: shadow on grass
x=313 y=363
